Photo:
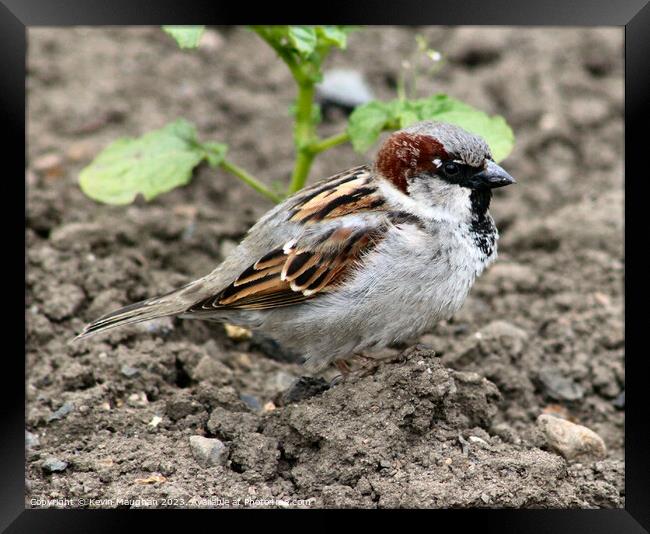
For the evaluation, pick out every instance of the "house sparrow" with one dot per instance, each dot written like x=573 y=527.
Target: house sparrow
x=368 y=257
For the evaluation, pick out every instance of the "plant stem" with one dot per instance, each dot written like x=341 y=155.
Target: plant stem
x=304 y=134
x=329 y=142
x=306 y=140
x=240 y=173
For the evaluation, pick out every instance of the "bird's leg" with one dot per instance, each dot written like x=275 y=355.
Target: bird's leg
x=366 y=359
x=367 y=368
x=369 y=365
x=344 y=369
x=343 y=366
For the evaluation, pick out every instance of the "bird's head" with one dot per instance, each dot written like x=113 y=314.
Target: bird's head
x=439 y=163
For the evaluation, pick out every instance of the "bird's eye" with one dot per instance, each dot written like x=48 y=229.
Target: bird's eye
x=451 y=169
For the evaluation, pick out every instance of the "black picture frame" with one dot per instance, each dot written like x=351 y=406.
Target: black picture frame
x=634 y=15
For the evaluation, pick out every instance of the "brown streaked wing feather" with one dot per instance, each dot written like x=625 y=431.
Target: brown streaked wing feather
x=295 y=273
x=304 y=273
x=350 y=192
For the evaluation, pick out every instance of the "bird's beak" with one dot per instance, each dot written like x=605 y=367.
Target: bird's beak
x=494 y=176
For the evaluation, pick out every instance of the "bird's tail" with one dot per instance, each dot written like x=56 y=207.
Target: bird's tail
x=145 y=310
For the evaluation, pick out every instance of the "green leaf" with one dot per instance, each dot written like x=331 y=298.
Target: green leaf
x=185 y=36
x=149 y=165
x=366 y=124
x=303 y=39
x=333 y=35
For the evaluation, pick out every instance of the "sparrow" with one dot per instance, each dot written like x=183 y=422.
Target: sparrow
x=372 y=256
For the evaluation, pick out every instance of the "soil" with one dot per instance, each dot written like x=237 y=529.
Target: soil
x=450 y=422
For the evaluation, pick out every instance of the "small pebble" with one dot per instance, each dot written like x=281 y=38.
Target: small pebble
x=53 y=465
x=31 y=440
x=64 y=410
x=574 y=442
x=208 y=452
x=137 y=400
x=558 y=386
x=155 y=421
x=129 y=371
x=49 y=165
x=251 y=402
x=237 y=333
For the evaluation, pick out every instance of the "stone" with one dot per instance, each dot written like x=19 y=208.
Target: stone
x=63 y=411
x=208 y=452
x=251 y=402
x=31 y=440
x=137 y=400
x=129 y=371
x=237 y=333
x=49 y=165
x=559 y=387
x=53 y=465
x=574 y=442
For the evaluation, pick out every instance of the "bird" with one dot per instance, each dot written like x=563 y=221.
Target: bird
x=372 y=256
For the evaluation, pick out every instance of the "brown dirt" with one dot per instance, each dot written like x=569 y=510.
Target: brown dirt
x=453 y=428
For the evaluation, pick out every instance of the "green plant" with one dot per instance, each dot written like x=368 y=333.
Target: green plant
x=164 y=159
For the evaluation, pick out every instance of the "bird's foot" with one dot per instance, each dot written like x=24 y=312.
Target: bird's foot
x=368 y=366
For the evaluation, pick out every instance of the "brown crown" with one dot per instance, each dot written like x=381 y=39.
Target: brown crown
x=404 y=155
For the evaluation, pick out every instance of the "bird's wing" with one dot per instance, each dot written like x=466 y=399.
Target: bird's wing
x=350 y=192
x=333 y=240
